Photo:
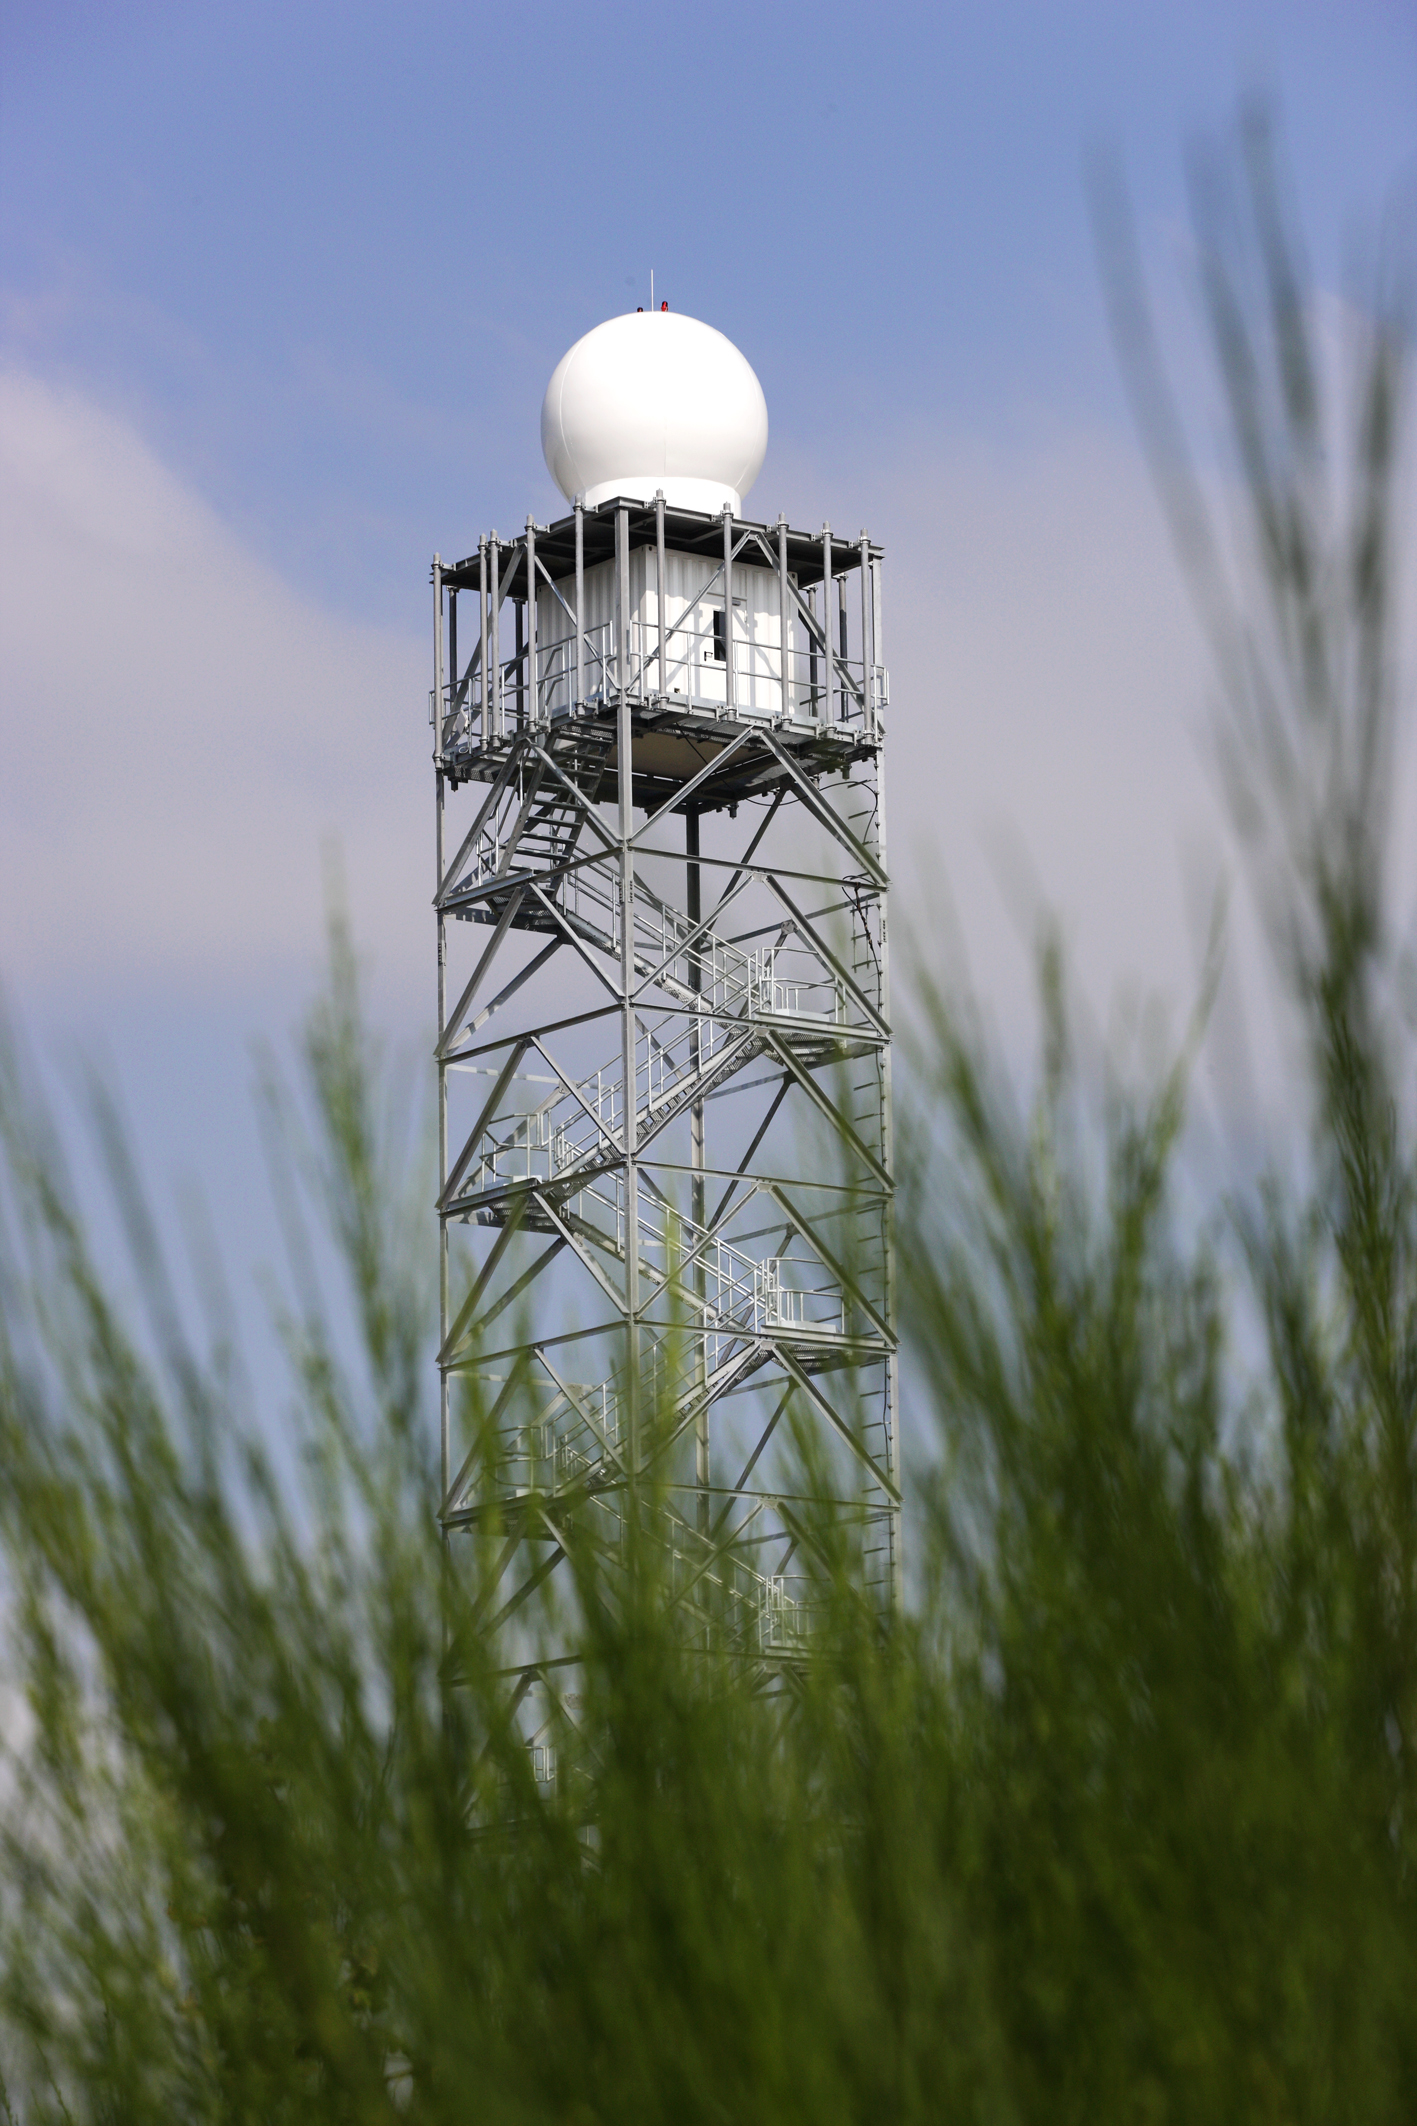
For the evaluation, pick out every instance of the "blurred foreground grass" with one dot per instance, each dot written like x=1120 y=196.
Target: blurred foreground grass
x=1118 y=1821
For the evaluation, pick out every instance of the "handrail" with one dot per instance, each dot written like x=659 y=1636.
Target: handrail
x=695 y=676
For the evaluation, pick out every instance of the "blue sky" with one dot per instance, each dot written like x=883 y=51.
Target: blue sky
x=325 y=257
x=280 y=289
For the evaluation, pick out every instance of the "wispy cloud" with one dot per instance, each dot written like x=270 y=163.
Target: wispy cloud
x=181 y=729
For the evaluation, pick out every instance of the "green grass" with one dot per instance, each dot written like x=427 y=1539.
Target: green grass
x=1117 y=1822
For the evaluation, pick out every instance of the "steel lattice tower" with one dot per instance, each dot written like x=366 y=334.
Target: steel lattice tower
x=662 y=991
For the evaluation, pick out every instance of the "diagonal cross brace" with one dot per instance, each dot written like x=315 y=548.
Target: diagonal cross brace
x=822 y=812
x=833 y=1416
x=827 y=1107
x=484 y=812
x=464 y=1159
x=807 y=929
x=843 y=1276
x=455 y=1021
x=582 y=1411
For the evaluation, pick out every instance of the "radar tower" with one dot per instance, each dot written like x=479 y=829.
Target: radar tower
x=663 y=975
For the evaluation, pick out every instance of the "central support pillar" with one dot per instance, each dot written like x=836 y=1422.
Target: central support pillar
x=629 y=1095
x=698 y=1204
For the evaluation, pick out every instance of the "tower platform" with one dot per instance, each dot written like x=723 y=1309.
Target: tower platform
x=721 y=707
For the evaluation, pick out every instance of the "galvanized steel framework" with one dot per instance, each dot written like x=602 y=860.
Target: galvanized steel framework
x=664 y=1056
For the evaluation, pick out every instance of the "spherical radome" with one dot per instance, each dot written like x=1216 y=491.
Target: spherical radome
x=655 y=400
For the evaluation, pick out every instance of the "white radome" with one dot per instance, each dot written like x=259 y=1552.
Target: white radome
x=655 y=400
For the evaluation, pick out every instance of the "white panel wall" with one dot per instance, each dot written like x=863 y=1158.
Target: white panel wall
x=693 y=673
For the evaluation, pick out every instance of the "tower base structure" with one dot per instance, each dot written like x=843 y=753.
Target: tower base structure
x=664 y=1066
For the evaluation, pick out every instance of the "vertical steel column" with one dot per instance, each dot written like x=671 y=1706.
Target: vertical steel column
x=784 y=619
x=580 y=608
x=868 y=670
x=486 y=720
x=698 y=1208
x=827 y=615
x=661 y=591
x=440 y=792
x=729 y=690
x=517 y=665
x=811 y=597
x=494 y=592
x=629 y=1109
x=452 y=652
x=531 y=621
x=887 y=1129
x=878 y=660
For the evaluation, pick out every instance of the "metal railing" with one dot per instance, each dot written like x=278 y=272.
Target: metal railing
x=582 y=1123
x=695 y=675
x=762 y=1611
